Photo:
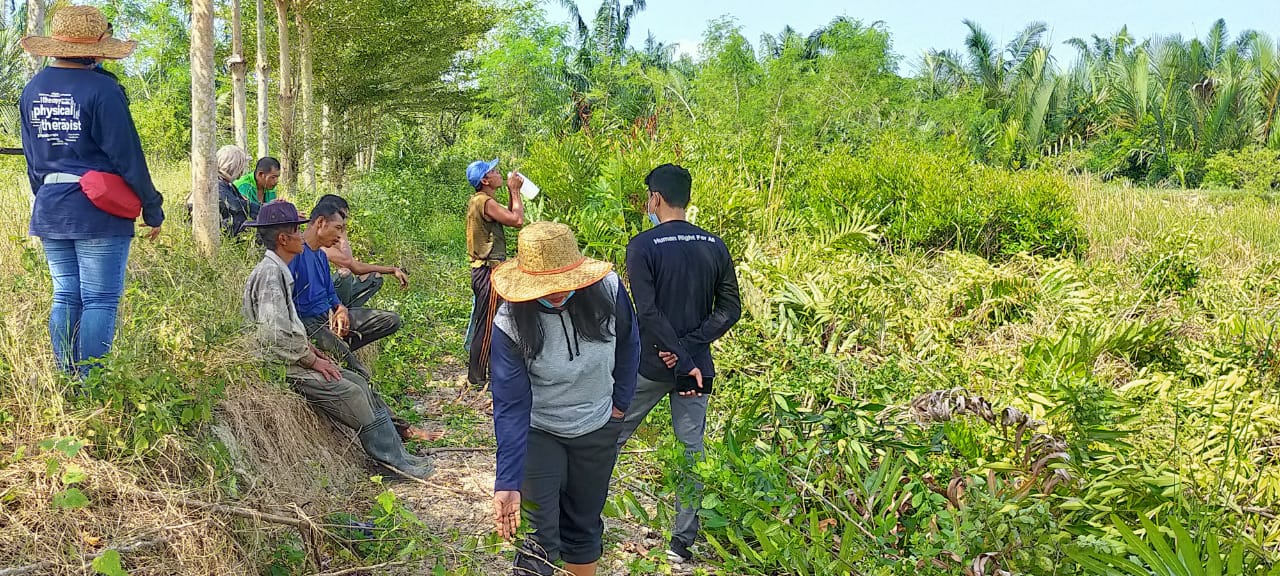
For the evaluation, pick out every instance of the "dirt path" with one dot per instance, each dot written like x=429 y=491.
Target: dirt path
x=458 y=502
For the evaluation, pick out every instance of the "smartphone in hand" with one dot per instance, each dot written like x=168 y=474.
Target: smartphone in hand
x=688 y=383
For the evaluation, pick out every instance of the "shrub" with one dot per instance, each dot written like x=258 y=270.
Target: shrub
x=1170 y=267
x=1120 y=153
x=940 y=200
x=1253 y=168
x=1183 y=169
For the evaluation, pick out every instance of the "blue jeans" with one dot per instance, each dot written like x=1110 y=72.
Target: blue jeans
x=88 y=279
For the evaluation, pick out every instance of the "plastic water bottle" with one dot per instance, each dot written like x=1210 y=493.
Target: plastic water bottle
x=529 y=190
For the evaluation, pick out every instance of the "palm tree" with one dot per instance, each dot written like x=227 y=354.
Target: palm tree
x=1019 y=81
x=657 y=54
x=12 y=69
x=604 y=40
x=1264 y=74
x=942 y=74
x=1083 y=107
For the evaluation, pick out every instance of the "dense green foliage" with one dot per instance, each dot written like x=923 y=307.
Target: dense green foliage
x=957 y=355
x=1153 y=110
x=944 y=366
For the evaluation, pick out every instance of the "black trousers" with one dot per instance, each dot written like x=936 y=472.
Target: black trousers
x=566 y=483
x=482 y=322
x=367 y=325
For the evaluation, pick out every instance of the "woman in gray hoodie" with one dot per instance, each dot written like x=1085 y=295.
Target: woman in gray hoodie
x=565 y=354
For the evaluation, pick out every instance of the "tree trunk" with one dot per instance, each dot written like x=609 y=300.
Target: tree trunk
x=204 y=195
x=35 y=27
x=263 y=134
x=326 y=144
x=288 y=178
x=239 y=108
x=308 y=169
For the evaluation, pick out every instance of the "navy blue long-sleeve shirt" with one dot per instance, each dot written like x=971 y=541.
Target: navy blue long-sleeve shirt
x=569 y=390
x=686 y=295
x=313 y=290
x=75 y=120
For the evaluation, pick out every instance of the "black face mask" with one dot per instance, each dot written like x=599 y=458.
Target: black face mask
x=81 y=61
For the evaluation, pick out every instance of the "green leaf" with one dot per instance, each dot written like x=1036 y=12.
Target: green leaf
x=1099 y=563
x=70 y=498
x=764 y=537
x=109 y=564
x=1001 y=466
x=1235 y=563
x=73 y=474
x=69 y=446
x=711 y=502
x=1136 y=546
x=1214 y=565
x=1171 y=561
x=1188 y=550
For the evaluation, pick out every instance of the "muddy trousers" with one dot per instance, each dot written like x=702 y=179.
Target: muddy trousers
x=355 y=291
x=367 y=325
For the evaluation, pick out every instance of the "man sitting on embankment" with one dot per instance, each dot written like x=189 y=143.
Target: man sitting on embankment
x=343 y=395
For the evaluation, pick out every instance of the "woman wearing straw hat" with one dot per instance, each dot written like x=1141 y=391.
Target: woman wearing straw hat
x=79 y=139
x=565 y=355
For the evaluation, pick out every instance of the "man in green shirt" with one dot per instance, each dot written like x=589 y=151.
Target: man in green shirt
x=259 y=186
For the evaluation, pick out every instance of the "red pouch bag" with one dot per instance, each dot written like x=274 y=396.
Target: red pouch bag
x=111 y=194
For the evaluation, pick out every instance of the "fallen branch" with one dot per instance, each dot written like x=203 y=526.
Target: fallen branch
x=242 y=512
x=309 y=532
x=424 y=482
x=822 y=498
x=359 y=569
x=19 y=570
x=1263 y=512
x=442 y=450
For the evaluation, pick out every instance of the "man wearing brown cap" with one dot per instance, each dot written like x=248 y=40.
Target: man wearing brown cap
x=342 y=394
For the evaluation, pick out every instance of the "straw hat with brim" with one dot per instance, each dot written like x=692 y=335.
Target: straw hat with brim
x=79 y=32
x=549 y=262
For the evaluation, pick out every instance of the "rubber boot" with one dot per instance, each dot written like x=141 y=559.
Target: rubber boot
x=382 y=443
x=421 y=462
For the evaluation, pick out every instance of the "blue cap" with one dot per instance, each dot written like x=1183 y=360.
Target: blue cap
x=477 y=170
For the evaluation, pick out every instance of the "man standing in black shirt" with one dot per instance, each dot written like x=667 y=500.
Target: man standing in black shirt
x=686 y=296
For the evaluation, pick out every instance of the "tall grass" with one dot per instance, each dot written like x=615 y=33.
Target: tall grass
x=181 y=405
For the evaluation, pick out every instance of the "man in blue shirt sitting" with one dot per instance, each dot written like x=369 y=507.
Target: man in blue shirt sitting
x=334 y=328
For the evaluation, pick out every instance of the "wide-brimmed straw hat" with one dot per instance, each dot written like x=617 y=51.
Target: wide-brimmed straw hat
x=79 y=32
x=549 y=262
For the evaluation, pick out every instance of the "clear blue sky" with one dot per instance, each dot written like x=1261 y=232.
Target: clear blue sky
x=918 y=25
